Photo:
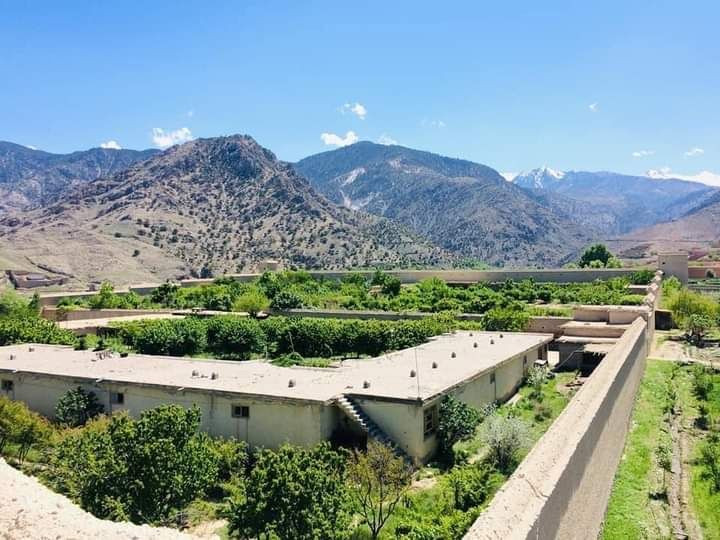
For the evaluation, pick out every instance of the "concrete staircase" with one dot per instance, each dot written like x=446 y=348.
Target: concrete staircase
x=353 y=411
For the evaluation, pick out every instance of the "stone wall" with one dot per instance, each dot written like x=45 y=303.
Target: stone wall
x=562 y=487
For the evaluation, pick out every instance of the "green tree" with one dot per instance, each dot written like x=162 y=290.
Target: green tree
x=457 y=422
x=234 y=336
x=293 y=493
x=377 y=481
x=76 y=407
x=596 y=252
x=507 y=319
x=286 y=300
x=143 y=470
x=252 y=301
x=22 y=427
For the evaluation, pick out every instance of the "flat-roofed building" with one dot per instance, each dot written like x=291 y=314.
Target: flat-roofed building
x=393 y=397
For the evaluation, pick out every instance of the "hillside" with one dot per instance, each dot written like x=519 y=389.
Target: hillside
x=30 y=178
x=615 y=203
x=462 y=206
x=205 y=207
x=699 y=228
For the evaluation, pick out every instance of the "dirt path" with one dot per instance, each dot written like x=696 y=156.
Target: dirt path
x=692 y=527
x=676 y=474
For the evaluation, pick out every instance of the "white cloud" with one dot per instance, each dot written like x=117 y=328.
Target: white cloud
x=643 y=153
x=433 y=123
x=509 y=176
x=593 y=107
x=386 y=139
x=331 y=139
x=704 y=177
x=165 y=140
x=111 y=145
x=694 y=152
x=358 y=109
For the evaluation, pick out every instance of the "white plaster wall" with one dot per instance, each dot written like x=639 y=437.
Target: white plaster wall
x=271 y=422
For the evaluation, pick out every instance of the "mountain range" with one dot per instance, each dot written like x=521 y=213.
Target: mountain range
x=464 y=207
x=223 y=204
x=31 y=178
x=616 y=203
x=205 y=207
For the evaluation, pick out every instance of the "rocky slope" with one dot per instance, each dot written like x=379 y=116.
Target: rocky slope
x=462 y=206
x=699 y=228
x=205 y=207
x=30 y=178
x=614 y=203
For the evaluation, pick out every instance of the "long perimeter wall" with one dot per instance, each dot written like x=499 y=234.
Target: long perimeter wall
x=562 y=487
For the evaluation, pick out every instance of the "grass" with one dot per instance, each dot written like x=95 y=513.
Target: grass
x=637 y=508
x=630 y=513
x=436 y=500
x=705 y=500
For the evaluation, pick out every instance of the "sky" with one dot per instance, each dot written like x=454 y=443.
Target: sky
x=623 y=86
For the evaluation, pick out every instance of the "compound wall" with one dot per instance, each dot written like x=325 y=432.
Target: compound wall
x=562 y=487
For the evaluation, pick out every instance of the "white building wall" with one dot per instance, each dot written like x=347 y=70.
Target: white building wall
x=270 y=424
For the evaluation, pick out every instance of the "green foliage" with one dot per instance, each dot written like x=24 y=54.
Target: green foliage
x=506 y=319
x=446 y=525
x=14 y=305
x=142 y=470
x=175 y=337
x=33 y=329
x=710 y=460
x=235 y=337
x=286 y=300
x=471 y=484
x=536 y=377
x=377 y=480
x=692 y=311
x=457 y=422
x=671 y=285
x=252 y=301
x=642 y=277
x=76 y=407
x=504 y=436
x=702 y=382
x=108 y=299
x=596 y=256
x=293 y=493
x=22 y=427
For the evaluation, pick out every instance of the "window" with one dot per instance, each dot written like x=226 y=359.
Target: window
x=241 y=411
x=117 y=398
x=525 y=360
x=430 y=421
x=7 y=385
x=492 y=378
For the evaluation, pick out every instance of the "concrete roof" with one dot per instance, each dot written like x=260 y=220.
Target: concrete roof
x=388 y=375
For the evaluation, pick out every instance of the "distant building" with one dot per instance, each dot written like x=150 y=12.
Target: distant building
x=269 y=265
x=393 y=398
x=30 y=280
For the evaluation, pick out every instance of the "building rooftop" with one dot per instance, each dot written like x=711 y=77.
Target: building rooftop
x=389 y=376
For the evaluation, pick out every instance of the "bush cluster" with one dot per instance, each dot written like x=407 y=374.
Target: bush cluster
x=234 y=337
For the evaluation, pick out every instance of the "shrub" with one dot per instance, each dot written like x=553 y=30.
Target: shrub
x=710 y=459
x=172 y=337
x=504 y=436
x=536 y=377
x=642 y=277
x=235 y=336
x=511 y=319
x=286 y=300
x=252 y=301
x=33 y=329
x=22 y=427
x=471 y=485
x=457 y=422
x=76 y=407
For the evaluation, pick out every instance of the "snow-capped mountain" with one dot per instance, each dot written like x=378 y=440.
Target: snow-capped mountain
x=541 y=178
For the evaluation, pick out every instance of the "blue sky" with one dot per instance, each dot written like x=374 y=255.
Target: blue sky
x=515 y=85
